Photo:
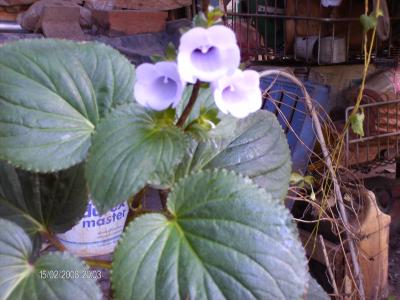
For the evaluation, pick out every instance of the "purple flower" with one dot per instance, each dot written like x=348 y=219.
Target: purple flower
x=238 y=94
x=208 y=54
x=158 y=86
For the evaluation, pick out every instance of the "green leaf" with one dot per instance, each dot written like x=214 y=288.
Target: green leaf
x=296 y=178
x=254 y=146
x=157 y=58
x=225 y=239
x=40 y=203
x=357 y=123
x=132 y=147
x=315 y=291
x=200 y=20
x=170 y=52
x=22 y=279
x=368 y=22
x=379 y=13
x=214 y=16
x=52 y=95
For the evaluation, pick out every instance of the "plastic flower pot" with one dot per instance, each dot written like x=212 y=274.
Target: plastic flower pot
x=96 y=234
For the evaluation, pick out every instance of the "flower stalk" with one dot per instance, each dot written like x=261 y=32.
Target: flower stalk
x=54 y=241
x=192 y=100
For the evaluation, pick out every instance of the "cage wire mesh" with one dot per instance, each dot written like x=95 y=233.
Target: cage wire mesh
x=305 y=31
x=380 y=144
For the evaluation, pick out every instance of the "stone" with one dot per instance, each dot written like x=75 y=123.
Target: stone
x=29 y=20
x=128 y=22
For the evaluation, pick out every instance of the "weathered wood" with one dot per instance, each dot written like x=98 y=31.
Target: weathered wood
x=374 y=249
x=127 y=22
x=152 y=4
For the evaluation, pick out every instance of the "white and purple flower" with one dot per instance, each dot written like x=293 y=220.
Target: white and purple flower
x=238 y=94
x=158 y=86
x=208 y=54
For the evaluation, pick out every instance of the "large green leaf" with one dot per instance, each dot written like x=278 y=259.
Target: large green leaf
x=38 y=203
x=255 y=146
x=22 y=279
x=315 y=291
x=132 y=147
x=225 y=239
x=52 y=95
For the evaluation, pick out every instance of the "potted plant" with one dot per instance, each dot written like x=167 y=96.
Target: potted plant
x=77 y=119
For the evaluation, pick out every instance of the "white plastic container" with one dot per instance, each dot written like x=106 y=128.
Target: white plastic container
x=304 y=47
x=332 y=51
x=94 y=234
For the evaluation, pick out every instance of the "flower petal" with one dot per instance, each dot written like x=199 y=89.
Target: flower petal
x=140 y=93
x=252 y=78
x=145 y=72
x=169 y=69
x=194 y=38
x=207 y=54
x=238 y=94
x=222 y=36
x=184 y=68
x=219 y=101
x=231 y=58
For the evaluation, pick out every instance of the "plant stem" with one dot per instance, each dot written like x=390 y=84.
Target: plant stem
x=163 y=197
x=189 y=106
x=205 y=5
x=98 y=263
x=54 y=240
x=331 y=169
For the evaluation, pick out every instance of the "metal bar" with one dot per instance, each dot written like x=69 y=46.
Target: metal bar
x=374 y=104
x=378 y=136
x=6 y=26
x=302 y=17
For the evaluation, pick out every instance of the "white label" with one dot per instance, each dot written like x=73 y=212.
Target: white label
x=94 y=234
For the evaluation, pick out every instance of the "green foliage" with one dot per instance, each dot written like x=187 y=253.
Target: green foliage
x=370 y=21
x=357 y=123
x=42 y=203
x=221 y=235
x=254 y=146
x=315 y=291
x=146 y=147
x=52 y=95
x=45 y=278
x=226 y=238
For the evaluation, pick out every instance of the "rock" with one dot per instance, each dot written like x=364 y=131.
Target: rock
x=29 y=19
x=139 y=48
x=127 y=22
x=61 y=22
x=15 y=2
x=152 y=4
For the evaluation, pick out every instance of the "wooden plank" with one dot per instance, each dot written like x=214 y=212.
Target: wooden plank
x=374 y=249
x=152 y=4
x=127 y=22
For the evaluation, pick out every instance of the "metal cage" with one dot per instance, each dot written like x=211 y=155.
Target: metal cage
x=380 y=146
x=304 y=31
